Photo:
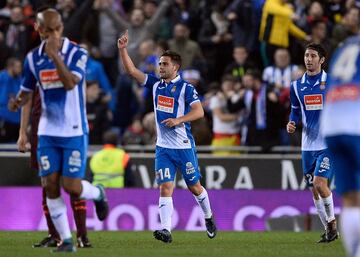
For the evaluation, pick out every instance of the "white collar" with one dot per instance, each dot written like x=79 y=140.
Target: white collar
x=176 y=79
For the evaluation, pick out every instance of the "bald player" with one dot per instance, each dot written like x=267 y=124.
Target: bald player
x=57 y=69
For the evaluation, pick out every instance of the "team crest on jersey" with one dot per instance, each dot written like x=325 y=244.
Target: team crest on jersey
x=165 y=104
x=50 y=79
x=313 y=102
x=173 y=89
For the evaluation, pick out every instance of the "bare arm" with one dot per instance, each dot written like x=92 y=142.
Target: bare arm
x=68 y=79
x=24 y=123
x=21 y=99
x=225 y=117
x=196 y=112
x=126 y=60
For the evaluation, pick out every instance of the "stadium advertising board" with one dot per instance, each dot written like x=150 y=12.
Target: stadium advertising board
x=137 y=209
x=250 y=172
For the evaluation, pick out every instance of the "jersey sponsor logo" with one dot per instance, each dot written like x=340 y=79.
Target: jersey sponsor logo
x=165 y=104
x=313 y=102
x=50 y=79
x=343 y=93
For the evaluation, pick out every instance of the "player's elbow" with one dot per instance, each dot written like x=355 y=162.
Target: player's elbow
x=200 y=113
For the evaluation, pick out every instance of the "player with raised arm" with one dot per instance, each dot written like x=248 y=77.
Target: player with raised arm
x=176 y=104
x=340 y=125
x=307 y=96
x=57 y=68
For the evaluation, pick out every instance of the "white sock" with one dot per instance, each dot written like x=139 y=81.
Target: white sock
x=350 y=230
x=203 y=201
x=329 y=207
x=319 y=204
x=58 y=213
x=166 y=209
x=89 y=192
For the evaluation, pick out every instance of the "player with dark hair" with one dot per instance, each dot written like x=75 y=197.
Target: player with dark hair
x=176 y=104
x=307 y=96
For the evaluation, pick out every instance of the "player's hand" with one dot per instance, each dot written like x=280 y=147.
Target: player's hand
x=170 y=122
x=22 y=143
x=14 y=104
x=52 y=46
x=291 y=127
x=123 y=40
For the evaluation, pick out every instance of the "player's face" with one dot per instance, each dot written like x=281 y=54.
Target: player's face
x=51 y=27
x=167 y=69
x=312 y=60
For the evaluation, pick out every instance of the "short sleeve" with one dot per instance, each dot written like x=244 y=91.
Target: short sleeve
x=191 y=95
x=29 y=80
x=150 y=80
x=78 y=62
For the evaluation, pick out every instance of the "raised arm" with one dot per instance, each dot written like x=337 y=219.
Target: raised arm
x=128 y=64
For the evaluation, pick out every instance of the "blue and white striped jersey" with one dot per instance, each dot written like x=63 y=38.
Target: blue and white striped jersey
x=172 y=100
x=63 y=112
x=342 y=113
x=307 y=96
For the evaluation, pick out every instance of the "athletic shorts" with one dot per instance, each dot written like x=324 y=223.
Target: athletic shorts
x=167 y=161
x=317 y=163
x=66 y=155
x=346 y=152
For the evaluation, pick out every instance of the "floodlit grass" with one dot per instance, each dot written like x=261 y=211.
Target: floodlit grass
x=185 y=244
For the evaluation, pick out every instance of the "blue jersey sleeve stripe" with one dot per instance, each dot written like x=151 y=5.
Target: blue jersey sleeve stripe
x=31 y=62
x=78 y=74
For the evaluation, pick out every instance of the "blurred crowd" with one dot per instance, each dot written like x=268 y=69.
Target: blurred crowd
x=241 y=56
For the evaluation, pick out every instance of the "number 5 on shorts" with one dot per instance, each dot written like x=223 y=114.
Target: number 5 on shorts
x=45 y=164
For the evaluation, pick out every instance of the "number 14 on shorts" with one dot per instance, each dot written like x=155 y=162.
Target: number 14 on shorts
x=162 y=174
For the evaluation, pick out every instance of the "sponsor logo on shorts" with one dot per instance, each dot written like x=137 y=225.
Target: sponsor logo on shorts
x=189 y=168
x=75 y=159
x=325 y=164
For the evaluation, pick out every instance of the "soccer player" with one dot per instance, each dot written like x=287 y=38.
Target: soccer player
x=57 y=68
x=307 y=96
x=340 y=125
x=176 y=104
x=33 y=108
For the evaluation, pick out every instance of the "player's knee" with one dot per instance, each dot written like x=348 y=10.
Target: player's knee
x=71 y=189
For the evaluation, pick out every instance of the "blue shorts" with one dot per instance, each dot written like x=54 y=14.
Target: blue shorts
x=167 y=161
x=66 y=155
x=346 y=152
x=317 y=163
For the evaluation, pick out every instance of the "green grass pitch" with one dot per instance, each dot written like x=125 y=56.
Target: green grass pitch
x=185 y=244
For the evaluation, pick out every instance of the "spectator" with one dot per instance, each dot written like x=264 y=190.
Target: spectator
x=280 y=74
x=216 y=42
x=319 y=35
x=189 y=50
x=10 y=80
x=348 y=27
x=111 y=166
x=226 y=130
x=17 y=33
x=98 y=114
x=264 y=118
x=277 y=24
x=139 y=30
x=240 y=64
